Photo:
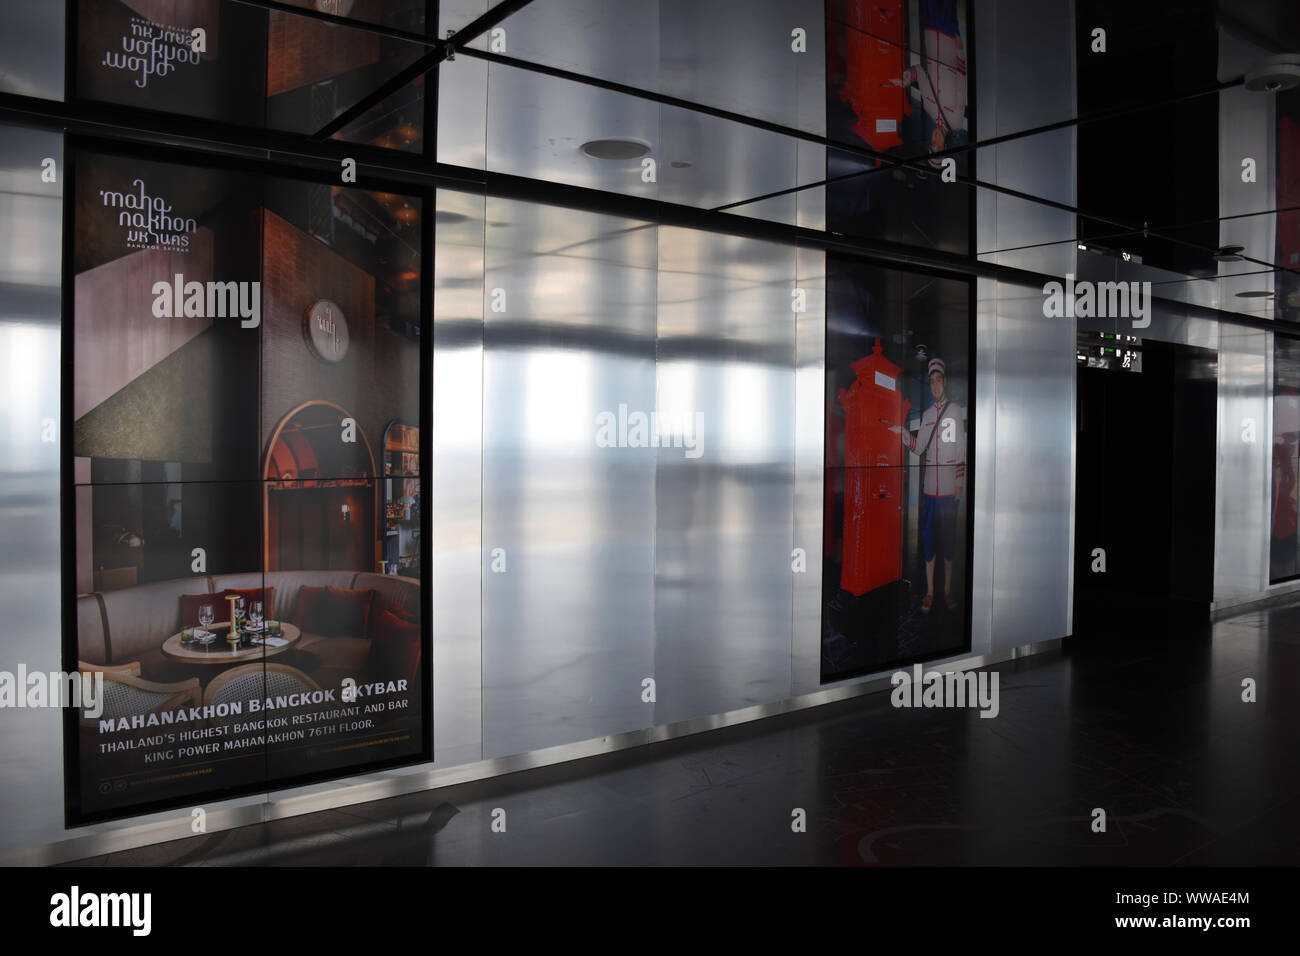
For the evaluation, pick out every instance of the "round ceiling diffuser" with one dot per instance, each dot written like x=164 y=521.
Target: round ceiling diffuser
x=616 y=150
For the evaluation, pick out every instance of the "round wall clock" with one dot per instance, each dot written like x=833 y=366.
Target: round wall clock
x=325 y=328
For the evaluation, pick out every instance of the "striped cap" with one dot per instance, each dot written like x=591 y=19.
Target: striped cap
x=936 y=365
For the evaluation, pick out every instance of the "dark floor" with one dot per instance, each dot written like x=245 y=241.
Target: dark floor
x=1151 y=728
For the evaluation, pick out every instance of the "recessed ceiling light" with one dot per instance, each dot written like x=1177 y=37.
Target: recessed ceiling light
x=616 y=150
x=1254 y=294
x=1228 y=253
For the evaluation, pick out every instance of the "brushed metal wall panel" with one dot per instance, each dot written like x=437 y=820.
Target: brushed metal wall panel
x=1022 y=570
x=457 y=14
x=1032 y=470
x=809 y=471
x=528 y=124
x=457 y=421
x=462 y=112
x=1169 y=321
x=31 y=800
x=568 y=617
x=724 y=512
x=609 y=39
x=537 y=125
x=1025 y=77
x=984 y=499
x=720 y=53
x=1243 y=491
x=1174 y=287
x=1247 y=128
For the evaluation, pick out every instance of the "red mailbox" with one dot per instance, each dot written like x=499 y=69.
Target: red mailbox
x=874 y=63
x=873 y=475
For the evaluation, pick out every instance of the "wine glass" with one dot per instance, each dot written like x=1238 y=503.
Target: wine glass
x=206 y=618
x=255 y=615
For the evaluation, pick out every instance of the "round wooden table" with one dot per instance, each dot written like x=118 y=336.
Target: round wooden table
x=220 y=652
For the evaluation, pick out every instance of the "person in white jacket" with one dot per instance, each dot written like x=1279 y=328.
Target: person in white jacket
x=941 y=445
x=940 y=77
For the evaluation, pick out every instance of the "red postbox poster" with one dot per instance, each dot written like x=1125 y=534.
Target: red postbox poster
x=874 y=62
x=873 y=476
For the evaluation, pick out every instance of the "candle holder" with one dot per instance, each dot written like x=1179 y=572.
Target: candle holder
x=233 y=638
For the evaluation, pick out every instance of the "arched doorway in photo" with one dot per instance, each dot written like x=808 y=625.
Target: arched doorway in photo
x=400 y=494
x=321 y=492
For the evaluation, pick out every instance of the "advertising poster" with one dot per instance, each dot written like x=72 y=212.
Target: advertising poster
x=1284 y=560
x=246 y=471
x=895 y=569
x=1286 y=302
x=1284 y=556
x=897 y=84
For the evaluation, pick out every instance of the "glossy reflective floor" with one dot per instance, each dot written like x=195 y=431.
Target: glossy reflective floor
x=1149 y=727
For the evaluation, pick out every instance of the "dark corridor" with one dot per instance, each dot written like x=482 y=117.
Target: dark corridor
x=1144 y=507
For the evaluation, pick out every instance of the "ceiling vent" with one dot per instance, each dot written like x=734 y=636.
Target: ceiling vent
x=616 y=150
